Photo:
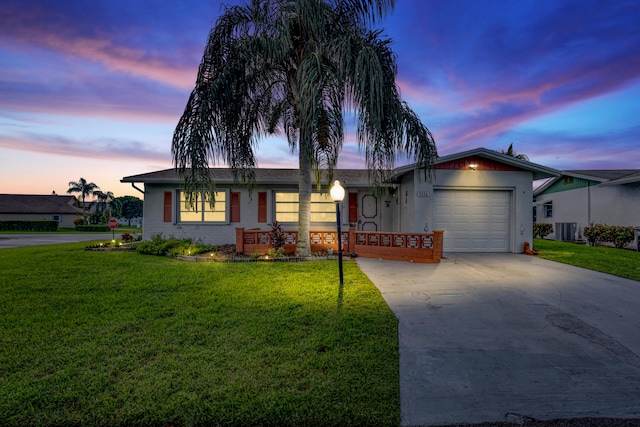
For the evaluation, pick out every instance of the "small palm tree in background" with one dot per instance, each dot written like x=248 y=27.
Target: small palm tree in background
x=85 y=189
x=295 y=67
x=103 y=200
x=512 y=153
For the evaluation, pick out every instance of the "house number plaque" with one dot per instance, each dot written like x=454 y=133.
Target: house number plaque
x=422 y=194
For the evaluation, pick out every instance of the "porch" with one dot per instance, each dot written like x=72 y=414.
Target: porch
x=414 y=247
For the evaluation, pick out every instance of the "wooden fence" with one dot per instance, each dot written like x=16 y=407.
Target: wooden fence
x=416 y=247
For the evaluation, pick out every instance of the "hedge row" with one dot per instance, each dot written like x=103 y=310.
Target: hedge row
x=92 y=228
x=617 y=235
x=41 y=225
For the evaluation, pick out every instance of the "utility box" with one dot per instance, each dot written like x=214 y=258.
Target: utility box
x=566 y=231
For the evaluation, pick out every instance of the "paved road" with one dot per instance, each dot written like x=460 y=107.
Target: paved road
x=18 y=240
x=487 y=338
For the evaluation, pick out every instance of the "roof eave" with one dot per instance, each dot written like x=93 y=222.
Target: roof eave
x=539 y=171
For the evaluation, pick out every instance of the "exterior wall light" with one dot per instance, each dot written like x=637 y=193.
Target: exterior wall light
x=473 y=166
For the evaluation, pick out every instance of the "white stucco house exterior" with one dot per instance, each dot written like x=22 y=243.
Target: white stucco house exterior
x=579 y=198
x=480 y=198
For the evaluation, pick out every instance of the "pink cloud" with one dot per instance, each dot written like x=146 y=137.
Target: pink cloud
x=104 y=149
x=27 y=31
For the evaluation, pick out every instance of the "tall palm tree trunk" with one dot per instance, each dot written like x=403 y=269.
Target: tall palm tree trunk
x=304 y=202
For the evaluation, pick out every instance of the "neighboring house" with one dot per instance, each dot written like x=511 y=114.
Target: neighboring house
x=480 y=198
x=29 y=207
x=579 y=198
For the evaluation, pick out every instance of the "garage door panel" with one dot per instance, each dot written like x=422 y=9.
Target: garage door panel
x=474 y=220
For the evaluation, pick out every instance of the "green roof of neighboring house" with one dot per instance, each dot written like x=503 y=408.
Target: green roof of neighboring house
x=572 y=179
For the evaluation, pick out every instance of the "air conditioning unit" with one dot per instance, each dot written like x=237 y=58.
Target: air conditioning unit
x=566 y=231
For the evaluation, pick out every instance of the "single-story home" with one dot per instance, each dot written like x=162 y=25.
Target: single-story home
x=579 y=198
x=32 y=207
x=480 y=198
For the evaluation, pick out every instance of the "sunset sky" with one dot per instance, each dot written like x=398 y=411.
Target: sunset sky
x=95 y=88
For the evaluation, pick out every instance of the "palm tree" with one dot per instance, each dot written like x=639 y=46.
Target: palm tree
x=104 y=198
x=85 y=189
x=512 y=153
x=296 y=66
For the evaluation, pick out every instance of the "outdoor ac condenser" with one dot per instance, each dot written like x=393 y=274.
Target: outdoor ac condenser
x=566 y=231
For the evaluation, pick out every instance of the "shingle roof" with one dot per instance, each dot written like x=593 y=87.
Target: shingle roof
x=38 y=204
x=263 y=176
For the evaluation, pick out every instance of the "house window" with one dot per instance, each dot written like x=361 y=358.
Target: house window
x=55 y=217
x=535 y=214
x=548 y=209
x=200 y=210
x=323 y=209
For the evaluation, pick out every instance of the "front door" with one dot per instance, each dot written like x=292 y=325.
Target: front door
x=369 y=215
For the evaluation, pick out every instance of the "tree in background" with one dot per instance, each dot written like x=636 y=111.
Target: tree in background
x=128 y=207
x=102 y=204
x=512 y=153
x=85 y=189
x=297 y=66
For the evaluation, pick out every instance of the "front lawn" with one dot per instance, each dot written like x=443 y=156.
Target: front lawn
x=619 y=262
x=113 y=338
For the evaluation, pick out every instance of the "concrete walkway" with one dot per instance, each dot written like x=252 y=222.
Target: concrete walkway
x=501 y=337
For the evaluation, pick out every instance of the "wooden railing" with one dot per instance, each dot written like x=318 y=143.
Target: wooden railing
x=416 y=247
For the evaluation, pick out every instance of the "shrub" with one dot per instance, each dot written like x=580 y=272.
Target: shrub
x=158 y=245
x=276 y=253
x=92 y=228
x=78 y=221
x=127 y=237
x=542 y=230
x=618 y=236
x=621 y=236
x=277 y=236
x=13 y=225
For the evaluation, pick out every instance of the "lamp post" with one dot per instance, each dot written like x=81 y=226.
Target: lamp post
x=337 y=195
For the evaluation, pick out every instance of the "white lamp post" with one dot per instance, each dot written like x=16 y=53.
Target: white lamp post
x=337 y=195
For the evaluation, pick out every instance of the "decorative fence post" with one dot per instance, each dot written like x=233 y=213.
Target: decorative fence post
x=240 y=240
x=351 y=242
x=437 y=244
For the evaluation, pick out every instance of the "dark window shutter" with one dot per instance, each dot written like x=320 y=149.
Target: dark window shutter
x=353 y=207
x=262 y=206
x=235 y=207
x=167 y=206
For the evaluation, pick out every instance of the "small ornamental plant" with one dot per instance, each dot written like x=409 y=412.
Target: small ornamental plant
x=277 y=236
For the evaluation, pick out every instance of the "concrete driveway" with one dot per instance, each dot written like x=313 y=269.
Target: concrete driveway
x=487 y=338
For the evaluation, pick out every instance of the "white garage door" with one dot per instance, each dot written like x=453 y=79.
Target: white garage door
x=474 y=221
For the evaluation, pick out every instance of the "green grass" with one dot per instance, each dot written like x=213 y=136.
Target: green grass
x=113 y=338
x=619 y=262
